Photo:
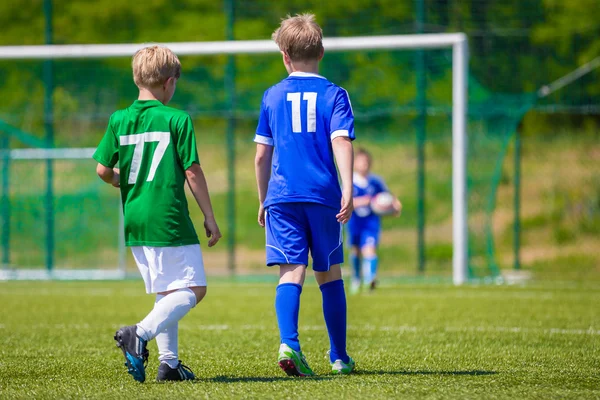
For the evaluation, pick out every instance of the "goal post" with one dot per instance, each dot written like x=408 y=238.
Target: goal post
x=24 y=162
x=456 y=41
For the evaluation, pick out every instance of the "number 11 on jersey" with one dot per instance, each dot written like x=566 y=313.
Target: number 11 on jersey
x=311 y=111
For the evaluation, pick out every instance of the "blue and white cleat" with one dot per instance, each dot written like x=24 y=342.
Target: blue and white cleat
x=134 y=350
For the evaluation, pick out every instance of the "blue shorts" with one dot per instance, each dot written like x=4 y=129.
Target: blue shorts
x=363 y=231
x=294 y=229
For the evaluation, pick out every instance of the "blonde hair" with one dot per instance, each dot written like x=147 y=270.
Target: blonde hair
x=153 y=65
x=300 y=37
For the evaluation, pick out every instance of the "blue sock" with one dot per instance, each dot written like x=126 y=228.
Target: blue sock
x=355 y=262
x=367 y=271
x=334 y=311
x=374 y=262
x=287 y=308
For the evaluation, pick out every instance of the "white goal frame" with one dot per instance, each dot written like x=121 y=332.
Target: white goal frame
x=81 y=153
x=456 y=41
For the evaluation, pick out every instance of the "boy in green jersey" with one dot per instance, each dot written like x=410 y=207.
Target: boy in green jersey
x=155 y=147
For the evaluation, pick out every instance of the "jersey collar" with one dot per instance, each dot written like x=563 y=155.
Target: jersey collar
x=147 y=103
x=306 y=75
x=360 y=181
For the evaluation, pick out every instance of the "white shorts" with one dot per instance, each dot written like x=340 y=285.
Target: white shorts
x=170 y=268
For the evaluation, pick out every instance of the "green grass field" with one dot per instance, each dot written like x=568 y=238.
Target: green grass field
x=409 y=340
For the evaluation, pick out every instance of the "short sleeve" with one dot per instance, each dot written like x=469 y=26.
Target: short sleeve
x=186 y=142
x=107 y=152
x=263 y=130
x=342 y=118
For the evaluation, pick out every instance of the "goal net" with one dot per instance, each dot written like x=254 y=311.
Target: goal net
x=409 y=95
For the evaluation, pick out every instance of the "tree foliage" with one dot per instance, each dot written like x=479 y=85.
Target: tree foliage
x=516 y=46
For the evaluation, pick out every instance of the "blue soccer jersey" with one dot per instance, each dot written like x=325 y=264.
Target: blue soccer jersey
x=299 y=117
x=369 y=186
x=364 y=226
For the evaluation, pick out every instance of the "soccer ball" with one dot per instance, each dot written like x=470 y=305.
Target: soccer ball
x=383 y=204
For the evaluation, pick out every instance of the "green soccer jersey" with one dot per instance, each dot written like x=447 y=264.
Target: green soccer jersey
x=154 y=145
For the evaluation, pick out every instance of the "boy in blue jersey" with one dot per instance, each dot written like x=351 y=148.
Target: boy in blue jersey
x=365 y=226
x=306 y=126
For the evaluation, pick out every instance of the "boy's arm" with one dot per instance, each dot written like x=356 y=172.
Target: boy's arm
x=197 y=183
x=344 y=157
x=397 y=207
x=362 y=201
x=396 y=204
x=108 y=175
x=107 y=156
x=262 y=167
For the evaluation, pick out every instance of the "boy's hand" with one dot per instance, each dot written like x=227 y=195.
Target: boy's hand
x=346 y=211
x=212 y=231
x=116 y=178
x=397 y=208
x=261 y=215
x=362 y=201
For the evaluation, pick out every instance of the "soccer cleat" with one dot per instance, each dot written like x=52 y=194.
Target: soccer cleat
x=134 y=350
x=373 y=285
x=369 y=287
x=181 y=373
x=292 y=362
x=338 y=367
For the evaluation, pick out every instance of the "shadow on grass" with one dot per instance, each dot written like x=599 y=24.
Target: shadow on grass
x=381 y=372
x=232 y=379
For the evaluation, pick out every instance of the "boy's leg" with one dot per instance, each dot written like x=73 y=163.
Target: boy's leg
x=287 y=307
x=334 y=310
x=167 y=342
x=328 y=253
x=170 y=368
x=369 y=265
x=162 y=323
x=160 y=266
x=170 y=309
x=287 y=247
x=368 y=251
x=133 y=339
x=355 y=263
x=353 y=230
x=164 y=268
x=287 y=303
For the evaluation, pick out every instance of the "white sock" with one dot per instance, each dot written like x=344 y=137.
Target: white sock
x=167 y=345
x=167 y=342
x=366 y=272
x=166 y=312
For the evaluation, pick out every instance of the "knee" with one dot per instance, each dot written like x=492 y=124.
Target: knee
x=292 y=273
x=354 y=251
x=200 y=292
x=368 y=251
x=334 y=274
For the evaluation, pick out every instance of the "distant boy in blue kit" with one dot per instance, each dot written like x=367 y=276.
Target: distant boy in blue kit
x=365 y=226
x=306 y=126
